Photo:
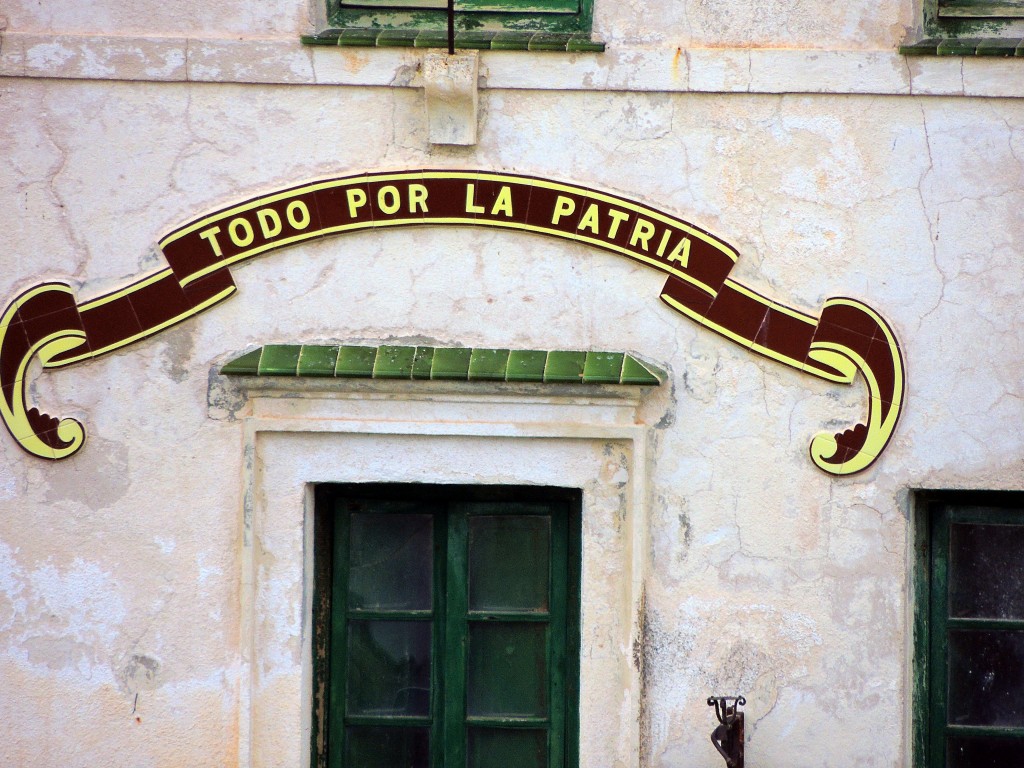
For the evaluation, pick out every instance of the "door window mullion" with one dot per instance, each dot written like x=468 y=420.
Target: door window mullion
x=455 y=631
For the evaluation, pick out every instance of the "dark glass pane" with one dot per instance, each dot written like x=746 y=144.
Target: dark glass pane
x=509 y=560
x=985 y=575
x=387 y=747
x=388 y=668
x=986 y=677
x=507 y=748
x=390 y=562
x=984 y=752
x=507 y=669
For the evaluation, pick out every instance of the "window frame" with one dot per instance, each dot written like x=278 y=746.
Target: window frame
x=980 y=19
x=500 y=15
x=563 y=657
x=935 y=513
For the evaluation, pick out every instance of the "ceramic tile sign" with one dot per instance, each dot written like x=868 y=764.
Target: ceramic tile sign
x=847 y=338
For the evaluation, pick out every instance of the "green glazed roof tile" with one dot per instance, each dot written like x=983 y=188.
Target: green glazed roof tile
x=279 y=360
x=581 y=43
x=394 y=362
x=563 y=366
x=476 y=38
x=998 y=47
x=360 y=37
x=246 y=365
x=422 y=362
x=953 y=46
x=431 y=38
x=451 y=363
x=549 y=41
x=447 y=363
x=316 y=360
x=603 y=368
x=355 y=362
x=509 y=40
x=635 y=372
x=921 y=47
x=488 y=364
x=526 y=365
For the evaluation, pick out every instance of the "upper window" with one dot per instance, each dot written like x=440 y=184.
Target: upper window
x=970 y=27
x=970 y=632
x=447 y=627
x=480 y=24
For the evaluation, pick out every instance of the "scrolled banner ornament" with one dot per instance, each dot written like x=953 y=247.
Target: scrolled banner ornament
x=847 y=338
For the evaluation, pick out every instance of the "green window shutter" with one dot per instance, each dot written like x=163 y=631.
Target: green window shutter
x=981 y=9
x=454 y=631
x=471 y=6
x=972 y=639
x=479 y=24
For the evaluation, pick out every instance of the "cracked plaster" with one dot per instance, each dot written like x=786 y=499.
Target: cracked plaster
x=793 y=590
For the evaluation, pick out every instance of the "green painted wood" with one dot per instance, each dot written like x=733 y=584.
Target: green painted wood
x=939 y=636
x=439 y=686
x=456 y=634
x=339 y=639
x=933 y=623
x=567 y=41
x=557 y=638
x=359 y=542
x=922 y=605
x=994 y=731
x=981 y=8
x=969 y=623
x=572 y=509
x=528 y=17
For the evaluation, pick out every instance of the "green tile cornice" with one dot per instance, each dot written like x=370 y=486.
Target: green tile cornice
x=968 y=46
x=444 y=363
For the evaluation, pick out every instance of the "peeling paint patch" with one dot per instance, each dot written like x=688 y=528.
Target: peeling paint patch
x=62 y=618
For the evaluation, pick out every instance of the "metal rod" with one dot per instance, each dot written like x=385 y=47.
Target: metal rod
x=451 y=27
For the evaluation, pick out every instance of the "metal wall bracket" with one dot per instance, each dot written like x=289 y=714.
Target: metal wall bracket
x=728 y=735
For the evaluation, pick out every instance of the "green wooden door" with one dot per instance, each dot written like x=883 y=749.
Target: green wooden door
x=454 y=628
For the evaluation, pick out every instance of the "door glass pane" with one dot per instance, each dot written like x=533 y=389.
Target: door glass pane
x=507 y=669
x=509 y=562
x=985 y=578
x=983 y=752
x=390 y=562
x=387 y=747
x=388 y=668
x=986 y=677
x=507 y=748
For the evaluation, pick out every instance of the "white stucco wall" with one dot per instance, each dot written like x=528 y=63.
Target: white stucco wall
x=848 y=171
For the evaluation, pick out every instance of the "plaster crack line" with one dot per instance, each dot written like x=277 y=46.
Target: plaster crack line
x=924 y=209
x=51 y=184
